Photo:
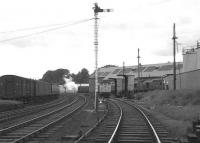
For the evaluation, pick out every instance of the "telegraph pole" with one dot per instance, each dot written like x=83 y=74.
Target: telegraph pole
x=97 y=9
x=174 y=53
x=123 y=81
x=138 y=68
x=198 y=45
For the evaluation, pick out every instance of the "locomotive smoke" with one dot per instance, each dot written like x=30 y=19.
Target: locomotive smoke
x=70 y=86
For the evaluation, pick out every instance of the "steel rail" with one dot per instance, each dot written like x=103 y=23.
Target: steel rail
x=93 y=127
x=24 y=138
x=10 y=115
x=8 y=112
x=101 y=120
x=118 y=123
x=5 y=130
x=146 y=118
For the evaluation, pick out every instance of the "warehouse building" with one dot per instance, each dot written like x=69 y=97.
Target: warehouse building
x=151 y=77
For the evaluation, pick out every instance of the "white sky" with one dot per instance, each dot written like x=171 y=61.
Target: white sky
x=144 y=24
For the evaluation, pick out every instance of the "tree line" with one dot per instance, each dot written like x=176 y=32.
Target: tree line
x=57 y=76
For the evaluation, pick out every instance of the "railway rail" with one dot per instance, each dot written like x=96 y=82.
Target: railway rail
x=106 y=130
x=127 y=123
x=13 y=114
x=139 y=126
x=24 y=131
x=161 y=131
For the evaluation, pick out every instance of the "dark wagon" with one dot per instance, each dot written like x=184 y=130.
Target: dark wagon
x=15 y=87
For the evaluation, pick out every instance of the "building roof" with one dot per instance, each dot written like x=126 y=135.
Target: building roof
x=149 y=70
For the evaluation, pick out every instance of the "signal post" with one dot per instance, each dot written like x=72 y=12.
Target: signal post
x=97 y=9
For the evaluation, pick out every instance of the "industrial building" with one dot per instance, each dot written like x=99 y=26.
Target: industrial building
x=150 y=77
x=191 y=59
x=190 y=77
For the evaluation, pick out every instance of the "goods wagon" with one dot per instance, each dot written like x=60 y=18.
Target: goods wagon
x=148 y=86
x=55 y=89
x=105 y=90
x=83 y=89
x=43 y=88
x=15 y=87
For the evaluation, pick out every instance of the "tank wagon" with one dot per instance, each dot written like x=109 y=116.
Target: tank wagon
x=19 y=88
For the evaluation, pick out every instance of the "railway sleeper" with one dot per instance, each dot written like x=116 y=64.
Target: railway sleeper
x=135 y=135
x=6 y=140
x=135 y=141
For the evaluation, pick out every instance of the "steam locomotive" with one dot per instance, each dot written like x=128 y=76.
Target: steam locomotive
x=20 y=88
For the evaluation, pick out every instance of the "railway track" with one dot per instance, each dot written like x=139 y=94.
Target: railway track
x=158 y=127
x=138 y=127
x=9 y=115
x=23 y=132
x=27 y=114
x=131 y=125
x=106 y=130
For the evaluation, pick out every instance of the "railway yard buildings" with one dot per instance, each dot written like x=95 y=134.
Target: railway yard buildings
x=151 y=76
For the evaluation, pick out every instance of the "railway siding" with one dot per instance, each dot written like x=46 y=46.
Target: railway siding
x=14 y=114
x=31 y=128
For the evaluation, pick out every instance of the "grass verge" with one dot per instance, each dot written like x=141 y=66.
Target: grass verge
x=175 y=109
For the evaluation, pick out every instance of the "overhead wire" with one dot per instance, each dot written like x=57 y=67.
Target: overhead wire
x=32 y=28
x=44 y=31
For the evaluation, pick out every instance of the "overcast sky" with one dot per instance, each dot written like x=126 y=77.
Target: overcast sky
x=144 y=24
